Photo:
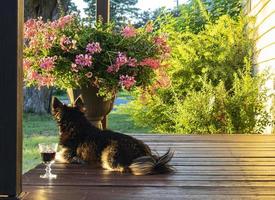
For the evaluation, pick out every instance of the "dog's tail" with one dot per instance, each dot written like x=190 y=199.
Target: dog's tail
x=152 y=164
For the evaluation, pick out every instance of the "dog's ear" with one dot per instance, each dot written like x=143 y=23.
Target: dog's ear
x=79 y=104
x=56 y=104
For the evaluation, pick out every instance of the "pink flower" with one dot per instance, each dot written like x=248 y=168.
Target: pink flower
x=34 y=44
x=127 y=81
x=150 y=62
x=161 y=42
x=66 y=43
x=93 y=47
x=74 y=67
x=32 y=27
x=62 y=22
x=83 y=60
x=149 y=27
x=163 y=79
x=48 y=63
x=39 y=34
x=129 y=31
x=121 y=59
x=46 y=81
x=41 y=80
x=132 y=62
x=32 y=75
x=49 y=38
x=26 y=64
x=110 y=69
x=113 y=68
x=89 y=75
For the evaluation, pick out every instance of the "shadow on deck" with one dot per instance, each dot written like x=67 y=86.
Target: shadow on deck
x=207 y=167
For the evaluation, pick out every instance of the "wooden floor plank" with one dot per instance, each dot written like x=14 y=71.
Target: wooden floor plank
x=181 y=168
x=162 y=190
x=182 y=162
x=211 y=145
x=152 y=179
x=207 y=167
x=152 y=193
x=186 y=173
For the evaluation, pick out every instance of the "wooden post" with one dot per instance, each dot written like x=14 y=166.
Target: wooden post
x=103 y=12
x=11 y=34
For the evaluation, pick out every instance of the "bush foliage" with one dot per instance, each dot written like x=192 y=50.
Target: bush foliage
x=212 y=86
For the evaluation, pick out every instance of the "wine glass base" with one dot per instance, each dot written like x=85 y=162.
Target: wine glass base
x=49 y=176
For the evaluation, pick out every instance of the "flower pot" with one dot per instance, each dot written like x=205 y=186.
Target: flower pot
x=96 y=108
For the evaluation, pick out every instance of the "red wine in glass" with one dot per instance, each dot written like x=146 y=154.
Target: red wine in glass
x=48 y=152
x=48 y=156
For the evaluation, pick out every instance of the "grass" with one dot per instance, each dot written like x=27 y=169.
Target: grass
x=31 y=156
x=122 y=122
x=37 y=129
x=42 y=129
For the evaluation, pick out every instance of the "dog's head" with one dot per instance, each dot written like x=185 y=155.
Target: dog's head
x=62 y=112
x=70 y=119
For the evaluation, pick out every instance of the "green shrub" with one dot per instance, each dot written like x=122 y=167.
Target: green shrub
x=202 y=111
x=247 y=104
x=216 y=52
x=195 y=14
x=213 y=109
x=212 y=87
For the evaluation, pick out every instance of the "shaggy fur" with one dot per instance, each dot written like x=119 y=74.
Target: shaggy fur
x=113 y=151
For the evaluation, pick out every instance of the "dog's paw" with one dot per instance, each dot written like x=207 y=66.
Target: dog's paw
x=60 y=157
x=77 y=160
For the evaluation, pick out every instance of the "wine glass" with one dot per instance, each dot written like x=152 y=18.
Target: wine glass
x=48 y=152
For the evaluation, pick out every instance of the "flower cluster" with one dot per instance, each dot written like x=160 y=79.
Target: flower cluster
x=32 y=33
x=62 y=22
x=40 y=80
x=93 y=48
x=27 y=64
x=161 y=43
x=127 y=81
x=67 y=53
x=150 y=62
x=48 y=63
x=129 y=32
x=122 y=60
x=67 y=44
x=32 y=27
x=149 y=27
x=83 y=60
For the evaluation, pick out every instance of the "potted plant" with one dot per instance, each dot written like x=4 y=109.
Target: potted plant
x=96 y=61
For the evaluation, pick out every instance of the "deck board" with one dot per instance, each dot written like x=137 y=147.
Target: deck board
x=207 y=167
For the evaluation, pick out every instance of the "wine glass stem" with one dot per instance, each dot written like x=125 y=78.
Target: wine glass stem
x=48 y=169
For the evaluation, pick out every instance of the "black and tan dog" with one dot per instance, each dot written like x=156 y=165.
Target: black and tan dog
x=112 y=151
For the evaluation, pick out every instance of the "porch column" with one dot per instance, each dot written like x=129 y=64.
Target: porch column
x=11 y=34
x=103 y=11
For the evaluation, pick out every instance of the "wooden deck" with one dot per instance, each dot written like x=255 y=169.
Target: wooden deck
x=207 y=167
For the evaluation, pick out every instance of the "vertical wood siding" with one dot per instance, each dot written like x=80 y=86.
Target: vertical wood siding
x=264 y=55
